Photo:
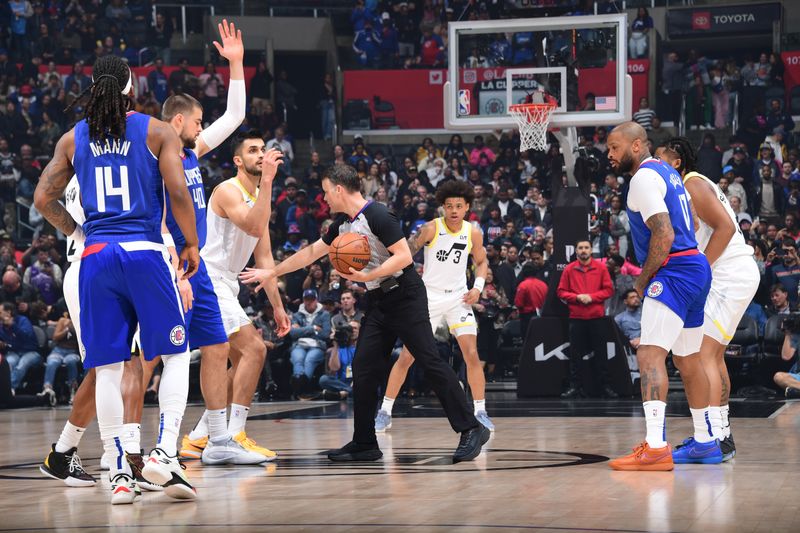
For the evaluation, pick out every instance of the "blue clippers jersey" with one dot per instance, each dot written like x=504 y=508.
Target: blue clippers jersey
x=121 y=187
x=680 y=215
x=194 y=181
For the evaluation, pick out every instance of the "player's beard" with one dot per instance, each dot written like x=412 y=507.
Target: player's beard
x=625 y=164
x=189 y=143
x=254 y=170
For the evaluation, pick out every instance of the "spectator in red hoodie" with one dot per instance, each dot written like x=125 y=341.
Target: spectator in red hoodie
x=530 y=296
x=585 y=285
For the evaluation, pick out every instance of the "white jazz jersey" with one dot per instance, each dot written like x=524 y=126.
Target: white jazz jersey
x=228 y=248
x=734 y=279
x=72 y=201
x=736 y=247
x=446 y=258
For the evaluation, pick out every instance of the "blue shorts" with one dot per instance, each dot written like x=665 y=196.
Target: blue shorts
x=682 y=285
x=121 y=284
x=204 y=320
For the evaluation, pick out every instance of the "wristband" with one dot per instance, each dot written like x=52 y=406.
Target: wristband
x=479 y=283
x=169 y=242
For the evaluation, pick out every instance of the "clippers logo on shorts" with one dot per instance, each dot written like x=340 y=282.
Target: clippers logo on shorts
x=655 y=289
x=177 y=336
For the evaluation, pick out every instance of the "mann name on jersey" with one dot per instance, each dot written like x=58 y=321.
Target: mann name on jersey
x=110 y=146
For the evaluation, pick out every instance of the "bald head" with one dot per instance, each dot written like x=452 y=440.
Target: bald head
x=11 y=280
x=631 y=131
x=627 y=147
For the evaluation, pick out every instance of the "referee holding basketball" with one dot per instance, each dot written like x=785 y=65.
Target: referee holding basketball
x=397 y=307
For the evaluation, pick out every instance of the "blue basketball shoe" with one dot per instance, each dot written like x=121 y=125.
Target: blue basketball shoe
x=692 y=451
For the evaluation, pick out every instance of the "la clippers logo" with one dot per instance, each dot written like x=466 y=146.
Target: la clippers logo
x=655 y=289
x=177 y=336
x=701 y=20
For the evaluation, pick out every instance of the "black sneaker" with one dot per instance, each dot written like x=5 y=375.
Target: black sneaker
x=570 y=393
x=469 y=447
x=67 y=467
x=728 y=448
x=791 y=393
x=136 y=462
x=331 y=395
x=352 y=451
x=610 y=393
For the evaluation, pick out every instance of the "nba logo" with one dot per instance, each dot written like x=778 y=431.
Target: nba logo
x=463 y=102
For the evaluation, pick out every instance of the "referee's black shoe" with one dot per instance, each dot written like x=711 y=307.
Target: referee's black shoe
x=353 y=451
x=469 y=447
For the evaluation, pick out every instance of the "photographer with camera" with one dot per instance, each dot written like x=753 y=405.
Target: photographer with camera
x=784 y=267
x=337 y=384
x=790 y=381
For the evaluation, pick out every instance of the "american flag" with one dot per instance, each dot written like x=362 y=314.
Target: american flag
x=605 y=103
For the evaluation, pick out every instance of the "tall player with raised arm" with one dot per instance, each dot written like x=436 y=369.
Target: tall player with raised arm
x=123 y=161
x=735 y=280
x=238 y=218
x=448 y=241
x=675 y=280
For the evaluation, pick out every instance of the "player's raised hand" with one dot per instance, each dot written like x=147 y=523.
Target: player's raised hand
x=189 y=260
x=269 y=165
x=259 y=276
x=232 y=47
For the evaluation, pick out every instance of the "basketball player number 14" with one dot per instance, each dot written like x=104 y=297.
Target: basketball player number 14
x=685 y=209
x=105 y=187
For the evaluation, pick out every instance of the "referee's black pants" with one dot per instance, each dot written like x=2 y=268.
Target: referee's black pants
x=401 y=313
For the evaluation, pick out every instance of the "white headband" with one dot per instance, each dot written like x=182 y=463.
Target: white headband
x=128 y=86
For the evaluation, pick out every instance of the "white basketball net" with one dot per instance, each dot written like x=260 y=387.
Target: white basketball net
x=533 y=120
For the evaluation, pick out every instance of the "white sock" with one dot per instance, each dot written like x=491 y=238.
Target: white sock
x=217 y=425
x=715 y=417
x=387 y=404
x=110 y=411
x=726 y=423
x=479 y=405
x=70 y=437
x=654 y=414
x=131 y=437
x=172 y=393
x=200 y=429
x=702 y=425
x=238 y=418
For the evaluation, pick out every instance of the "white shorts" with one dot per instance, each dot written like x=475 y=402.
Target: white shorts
x=227 y=291
x=450 y=308
x=733 y=285
x=662 y=327
x=73 y=301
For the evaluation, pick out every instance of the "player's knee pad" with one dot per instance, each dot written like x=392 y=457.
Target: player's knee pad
x=174 y=387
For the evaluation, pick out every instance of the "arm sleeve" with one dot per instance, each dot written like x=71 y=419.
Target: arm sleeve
x=563 y=292
x=225 y=125
x=333 y=231
x=385 y=226
x=647 y=192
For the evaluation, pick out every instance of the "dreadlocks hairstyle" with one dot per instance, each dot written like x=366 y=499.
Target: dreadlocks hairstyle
x=682 y=147
x=455 y=189
x=107 y=106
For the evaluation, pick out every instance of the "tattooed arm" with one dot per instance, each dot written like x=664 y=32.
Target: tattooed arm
x=661 y=237
x=53 y=181
x=423 y=236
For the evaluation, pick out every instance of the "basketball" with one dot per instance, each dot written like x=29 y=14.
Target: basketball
x=349 y=250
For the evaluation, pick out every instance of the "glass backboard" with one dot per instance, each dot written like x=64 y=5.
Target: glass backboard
x=579 y=61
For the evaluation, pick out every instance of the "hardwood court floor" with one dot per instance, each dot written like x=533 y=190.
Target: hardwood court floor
x=545 y=470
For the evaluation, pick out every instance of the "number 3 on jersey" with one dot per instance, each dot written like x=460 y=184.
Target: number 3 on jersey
x=685 y=209
x=105 y=187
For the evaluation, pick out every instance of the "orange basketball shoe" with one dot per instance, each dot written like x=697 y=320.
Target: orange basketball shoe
x=645 y=458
